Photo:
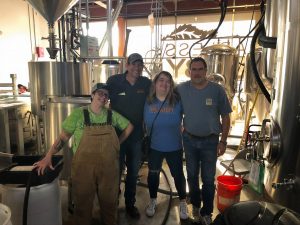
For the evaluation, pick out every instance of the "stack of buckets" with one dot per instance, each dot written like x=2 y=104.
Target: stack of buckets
x=228 y=191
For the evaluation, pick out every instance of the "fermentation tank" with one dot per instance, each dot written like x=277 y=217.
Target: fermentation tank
x=262 y=106
x=222 y=61
x=57 y=79
x=56 y=110
x=57 y=87
x=282 y=173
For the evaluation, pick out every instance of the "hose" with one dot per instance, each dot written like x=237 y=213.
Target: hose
x=253 y=64
x=265 y=41
x=170 y=200
x=223 y=7
x=27 y=191
x=26 y=197
x=170 y=193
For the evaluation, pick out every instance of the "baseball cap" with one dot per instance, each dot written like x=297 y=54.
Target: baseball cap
x=99 y=86
x=134 y=57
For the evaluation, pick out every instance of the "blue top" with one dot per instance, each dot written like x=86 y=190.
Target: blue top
x=202 y=108
x=129 y=100
x=166 y=132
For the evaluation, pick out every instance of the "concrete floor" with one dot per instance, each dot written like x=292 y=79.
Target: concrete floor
x=163 y=200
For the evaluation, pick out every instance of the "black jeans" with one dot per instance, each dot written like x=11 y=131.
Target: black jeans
x=174 y=161
x=130 y=155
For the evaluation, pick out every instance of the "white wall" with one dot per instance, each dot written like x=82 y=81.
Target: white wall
x=16 y=44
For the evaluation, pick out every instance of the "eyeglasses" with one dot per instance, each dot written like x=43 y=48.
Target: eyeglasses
x=102 y=94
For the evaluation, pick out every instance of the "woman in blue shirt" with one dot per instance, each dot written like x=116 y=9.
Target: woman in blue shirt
x=163 y=113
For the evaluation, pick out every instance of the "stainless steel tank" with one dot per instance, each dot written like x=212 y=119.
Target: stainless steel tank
x=262 y=106
x=282 y=174
x=222 y=61
x=48 y=79
x=103 y=69
x=269 y=55
x=55 y=112
x=86 y=78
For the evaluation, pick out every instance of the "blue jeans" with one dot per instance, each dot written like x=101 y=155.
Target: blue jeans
x=201 y=156
x=174 y=161
x=130 y=155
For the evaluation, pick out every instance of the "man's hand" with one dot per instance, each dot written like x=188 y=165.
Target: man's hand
x=221 y=148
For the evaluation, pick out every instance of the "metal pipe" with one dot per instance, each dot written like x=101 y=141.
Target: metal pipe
x=29 y=23
x=181 y=12
x=109 y=27
x=79 y=14
x=63 y=39
x=87 y=17
x=33 y=21
x=14 y=83
x=115 y=16
x=60 y=39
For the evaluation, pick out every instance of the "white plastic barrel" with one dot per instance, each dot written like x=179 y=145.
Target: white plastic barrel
x=5 y=215
x=44 y=204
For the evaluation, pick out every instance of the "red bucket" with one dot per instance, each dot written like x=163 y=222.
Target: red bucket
x=228 y=191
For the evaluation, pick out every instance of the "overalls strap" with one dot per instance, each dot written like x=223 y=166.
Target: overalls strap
x=87 y=120
x=109 y=117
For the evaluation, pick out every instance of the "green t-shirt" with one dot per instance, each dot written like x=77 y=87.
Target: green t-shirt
x=74 y=123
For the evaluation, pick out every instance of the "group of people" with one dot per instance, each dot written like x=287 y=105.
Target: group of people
x=190 y=116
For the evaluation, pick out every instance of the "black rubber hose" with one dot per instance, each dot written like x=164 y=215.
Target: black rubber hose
x=223 y=7
x=163 y=191
x=27 y=192
x=253 y=63
x=170 y=199
x=265 y=41
x=170 y=193
x=26 y=197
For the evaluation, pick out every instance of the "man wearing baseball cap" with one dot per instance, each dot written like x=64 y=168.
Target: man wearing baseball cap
x=95 y=165
x=128 y=92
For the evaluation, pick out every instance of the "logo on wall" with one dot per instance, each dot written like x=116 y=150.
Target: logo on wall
x=178 y=43
x=187 y=32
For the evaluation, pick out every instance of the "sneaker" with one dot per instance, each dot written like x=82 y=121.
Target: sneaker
x=133 y=212
x=196 y=215
x=206 y=220
x=150 y=210
x=183 y=210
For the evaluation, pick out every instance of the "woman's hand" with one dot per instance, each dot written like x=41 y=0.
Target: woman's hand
x=41 y=165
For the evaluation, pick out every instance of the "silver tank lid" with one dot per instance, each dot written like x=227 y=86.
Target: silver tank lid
x=218 y=49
